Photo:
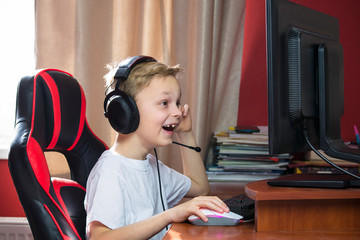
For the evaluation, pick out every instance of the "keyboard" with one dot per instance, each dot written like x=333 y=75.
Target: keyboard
x=242 y=205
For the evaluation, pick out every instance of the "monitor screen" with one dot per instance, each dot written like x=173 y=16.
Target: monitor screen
x=305 y=81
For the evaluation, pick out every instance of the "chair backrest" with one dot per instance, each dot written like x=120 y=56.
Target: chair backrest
x=50 y=116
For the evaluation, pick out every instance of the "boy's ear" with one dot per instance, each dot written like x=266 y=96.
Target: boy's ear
x=119 y=108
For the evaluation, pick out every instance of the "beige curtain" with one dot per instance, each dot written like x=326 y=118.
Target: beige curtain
x=203 y=36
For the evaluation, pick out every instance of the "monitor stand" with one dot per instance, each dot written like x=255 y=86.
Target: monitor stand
x=316 y=181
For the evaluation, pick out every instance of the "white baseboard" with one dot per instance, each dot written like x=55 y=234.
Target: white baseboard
x=15 y=228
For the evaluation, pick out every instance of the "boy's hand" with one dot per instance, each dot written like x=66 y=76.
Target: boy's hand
x=181 y=212
x=185 y=124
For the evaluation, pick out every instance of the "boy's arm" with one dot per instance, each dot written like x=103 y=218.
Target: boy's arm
x=147 y=228
x=193 y=166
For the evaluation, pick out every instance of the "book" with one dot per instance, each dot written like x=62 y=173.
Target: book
x=325 y=170
x=227 y=137
x=251 y=164
x=262 y=134
x=239 y=151
x=237 y=176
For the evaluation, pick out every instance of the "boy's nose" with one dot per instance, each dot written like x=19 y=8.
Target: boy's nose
x=177 y=111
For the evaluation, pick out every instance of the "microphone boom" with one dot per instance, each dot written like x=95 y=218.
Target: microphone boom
x=196 y=149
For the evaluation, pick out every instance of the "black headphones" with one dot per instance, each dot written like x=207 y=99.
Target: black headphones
x=120 y=108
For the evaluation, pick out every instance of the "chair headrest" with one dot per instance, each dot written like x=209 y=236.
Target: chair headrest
x=59 y=108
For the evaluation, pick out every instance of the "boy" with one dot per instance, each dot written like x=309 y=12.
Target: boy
x=130 y=194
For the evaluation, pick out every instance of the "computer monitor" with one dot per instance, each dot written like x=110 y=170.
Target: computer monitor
x=305 y=81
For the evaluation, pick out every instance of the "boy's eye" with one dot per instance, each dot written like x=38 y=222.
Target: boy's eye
x=164 y=103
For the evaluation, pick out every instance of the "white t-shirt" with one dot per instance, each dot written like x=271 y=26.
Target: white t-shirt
x=121 y=191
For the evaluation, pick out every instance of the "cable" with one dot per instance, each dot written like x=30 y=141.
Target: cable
x=323 y=157
x=106 y=90
x=158 y=170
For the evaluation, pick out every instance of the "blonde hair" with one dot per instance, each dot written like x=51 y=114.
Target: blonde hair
x=140 y=76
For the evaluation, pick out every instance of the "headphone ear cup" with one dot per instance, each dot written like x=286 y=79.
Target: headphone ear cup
x=122 y=112
x=119 y=108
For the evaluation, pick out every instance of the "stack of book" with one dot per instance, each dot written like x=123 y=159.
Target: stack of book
x=315 y=165
x=245 y=157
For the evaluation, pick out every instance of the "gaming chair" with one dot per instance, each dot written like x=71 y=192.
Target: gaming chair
x=50 y=116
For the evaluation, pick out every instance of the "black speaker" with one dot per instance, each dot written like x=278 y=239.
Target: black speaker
x=120 y=108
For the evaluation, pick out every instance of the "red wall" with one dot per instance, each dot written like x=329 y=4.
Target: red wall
x=9 y=202
x=253 y=89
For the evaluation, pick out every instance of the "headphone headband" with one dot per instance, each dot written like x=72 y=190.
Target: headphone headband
x=128 y=64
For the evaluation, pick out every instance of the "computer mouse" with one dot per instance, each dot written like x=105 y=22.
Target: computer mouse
x=216 y=218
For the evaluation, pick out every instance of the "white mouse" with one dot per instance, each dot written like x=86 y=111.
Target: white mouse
x=216 y=219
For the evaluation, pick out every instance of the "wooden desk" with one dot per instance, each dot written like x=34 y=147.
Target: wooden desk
x=247 y=230
x=293 y=209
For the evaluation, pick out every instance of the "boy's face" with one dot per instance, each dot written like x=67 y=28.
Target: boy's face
x=159 y=108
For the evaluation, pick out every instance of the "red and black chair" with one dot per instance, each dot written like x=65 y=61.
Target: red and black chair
x=50 y=116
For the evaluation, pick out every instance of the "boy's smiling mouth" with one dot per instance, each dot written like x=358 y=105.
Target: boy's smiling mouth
x=169 y=127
